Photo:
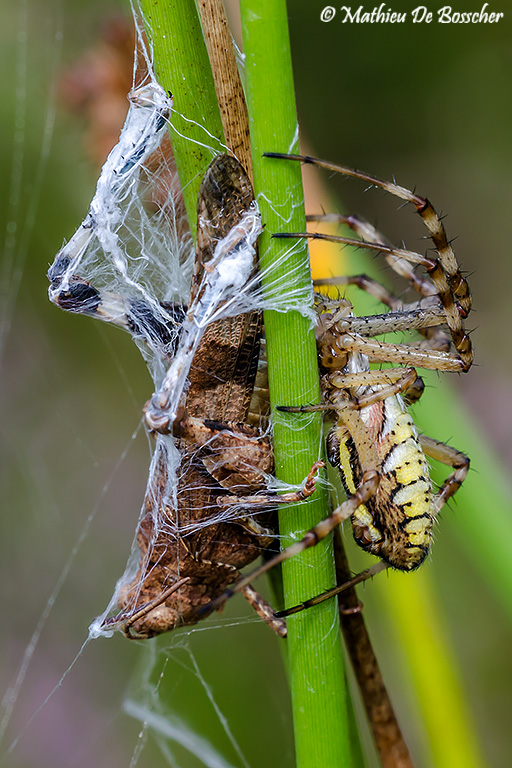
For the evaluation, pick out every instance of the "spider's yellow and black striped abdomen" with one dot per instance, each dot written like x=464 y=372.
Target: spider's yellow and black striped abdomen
x=396 y=523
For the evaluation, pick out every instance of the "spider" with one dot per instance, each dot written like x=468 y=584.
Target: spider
x=374 y=443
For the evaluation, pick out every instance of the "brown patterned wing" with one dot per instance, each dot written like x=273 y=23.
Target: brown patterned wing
x=224 y=368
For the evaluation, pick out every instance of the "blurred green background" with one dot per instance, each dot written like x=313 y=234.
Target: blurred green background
x=429 y=105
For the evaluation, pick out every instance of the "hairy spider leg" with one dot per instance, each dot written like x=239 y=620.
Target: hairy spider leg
x=451 y=287
x=422 y=284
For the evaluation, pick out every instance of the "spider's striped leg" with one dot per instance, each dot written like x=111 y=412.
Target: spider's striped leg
x=460 y=339
x=423 y=285
x=369 y=573
x=408 y=384
x=444 y=271
x=390 y=382
x=369 y=234
x=363 y=282
x=415 y=318
x=424 y=316
x=334 y=344
x=452 y=458
x=393 y=381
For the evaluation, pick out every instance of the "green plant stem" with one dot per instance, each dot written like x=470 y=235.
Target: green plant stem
x=314 y=645
x=183 y=68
